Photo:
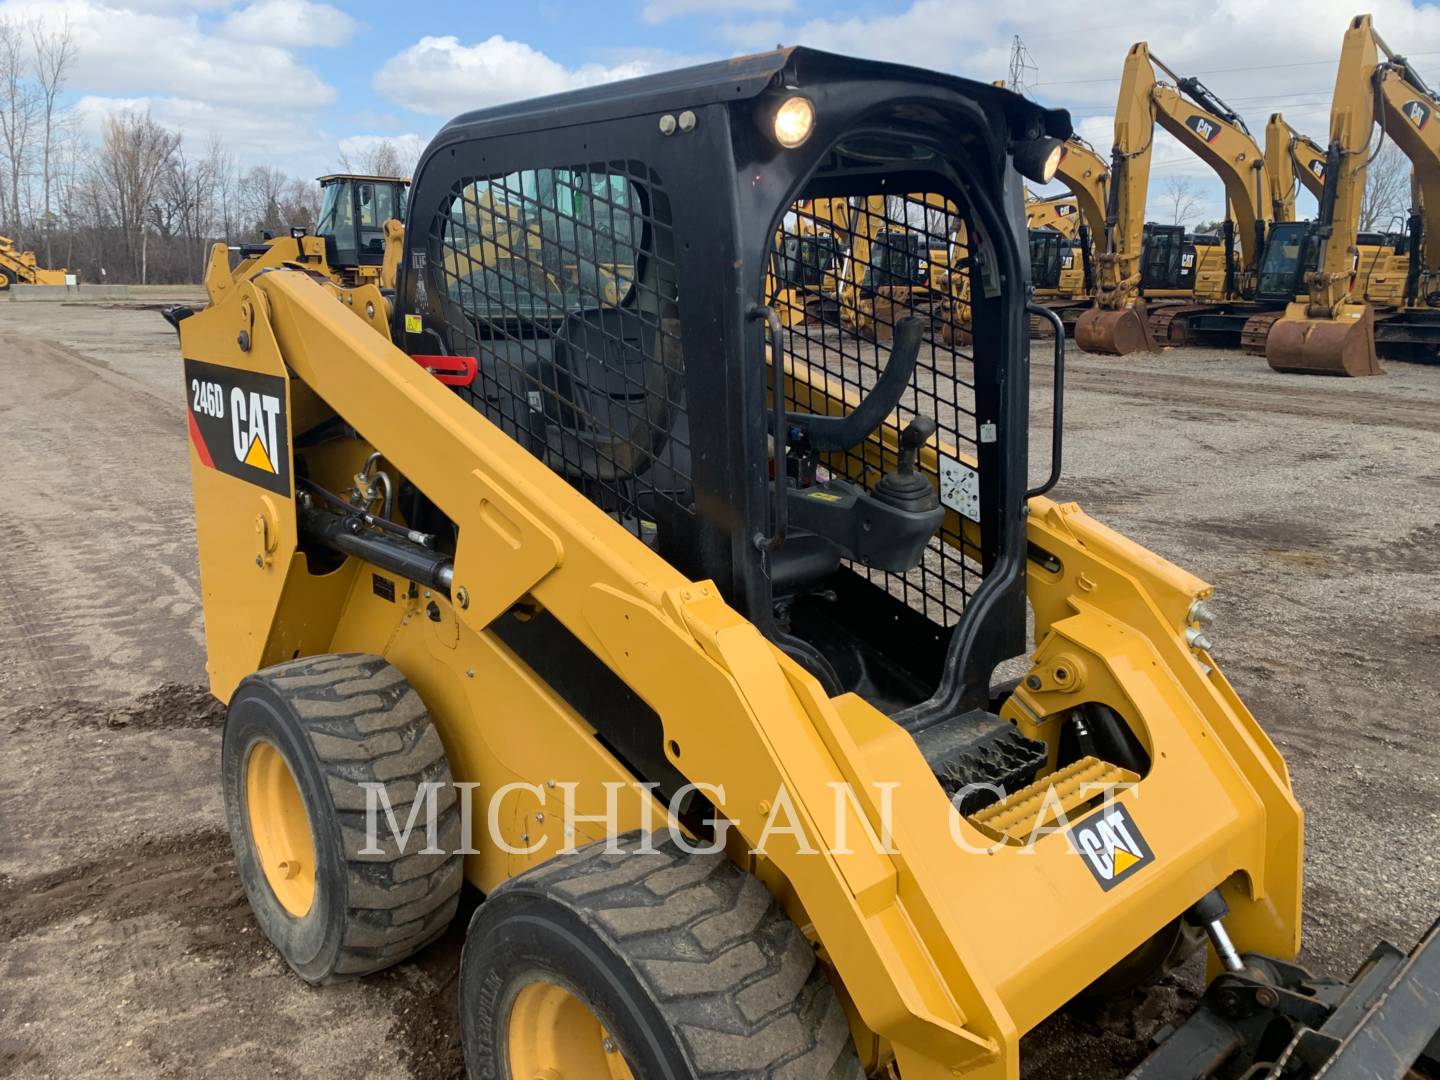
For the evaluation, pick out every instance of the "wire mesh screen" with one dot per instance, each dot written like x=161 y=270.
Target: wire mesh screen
x=846 y=272
x=561 y=283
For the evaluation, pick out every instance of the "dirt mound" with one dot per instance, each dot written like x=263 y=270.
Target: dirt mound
x=191 y=878
x=170 y=705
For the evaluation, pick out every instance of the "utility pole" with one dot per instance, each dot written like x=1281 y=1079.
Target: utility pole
x=1024 y=71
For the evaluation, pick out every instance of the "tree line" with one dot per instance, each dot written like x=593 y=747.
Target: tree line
x=140 y=202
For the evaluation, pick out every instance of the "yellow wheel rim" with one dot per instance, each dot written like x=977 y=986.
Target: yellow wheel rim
x=280 y=828
x=553 y=1035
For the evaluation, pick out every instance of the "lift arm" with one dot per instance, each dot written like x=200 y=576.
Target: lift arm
x=1087 y=176
x=1410 y=114
x=1217 y=135
x=1291 y=159
x=1059 y=212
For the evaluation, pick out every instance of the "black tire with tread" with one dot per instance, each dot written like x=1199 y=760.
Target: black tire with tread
x=342 y=720
x=687 y=961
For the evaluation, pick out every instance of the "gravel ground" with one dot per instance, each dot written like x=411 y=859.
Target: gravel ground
x=126 y=947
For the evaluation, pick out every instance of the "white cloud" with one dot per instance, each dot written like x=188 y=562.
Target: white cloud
x=659 y=11
x=121 y=52
x=254 y=137
x=440 y=76
x=302 y=23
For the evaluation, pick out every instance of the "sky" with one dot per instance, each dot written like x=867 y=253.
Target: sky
x=292 y=83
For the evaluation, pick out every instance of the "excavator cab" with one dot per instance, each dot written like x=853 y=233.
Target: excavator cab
x=1048 y=251
x=1167 y=262
x=353 y=212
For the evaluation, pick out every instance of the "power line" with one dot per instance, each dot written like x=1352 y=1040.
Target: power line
x=1222 y=71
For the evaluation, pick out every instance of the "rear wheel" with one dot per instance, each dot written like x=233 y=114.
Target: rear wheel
x=302 y=742
x=643 y=967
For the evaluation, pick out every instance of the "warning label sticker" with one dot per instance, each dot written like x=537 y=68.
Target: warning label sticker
x=238 y=423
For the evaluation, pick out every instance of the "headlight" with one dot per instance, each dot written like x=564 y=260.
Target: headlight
x=1037 y=159
x=793 y=122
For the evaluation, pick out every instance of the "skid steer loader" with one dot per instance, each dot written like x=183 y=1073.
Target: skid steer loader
x=674 y=630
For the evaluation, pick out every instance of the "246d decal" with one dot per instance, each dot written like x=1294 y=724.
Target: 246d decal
x=238 y=424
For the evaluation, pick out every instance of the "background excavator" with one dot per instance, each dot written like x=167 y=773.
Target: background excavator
x=1141 y=261
x=1057 y=263
x=1058 y=212
x=1085 y=173
x=21 y=268
x=1408 y=115
x=1331 y=329
x=1292 y=160
x=1383 y=266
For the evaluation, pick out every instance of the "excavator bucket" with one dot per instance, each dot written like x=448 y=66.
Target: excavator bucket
x=1116 y=333
x=1324 y=346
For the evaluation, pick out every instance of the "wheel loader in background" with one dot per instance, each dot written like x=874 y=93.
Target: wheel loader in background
x=354 y=242
x=21 y=268
x=707 y=611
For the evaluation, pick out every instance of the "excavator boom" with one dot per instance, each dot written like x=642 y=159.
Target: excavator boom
x=1118 y=324
x=1332 y=331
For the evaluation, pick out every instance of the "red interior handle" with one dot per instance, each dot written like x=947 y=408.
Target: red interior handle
x=450 y=370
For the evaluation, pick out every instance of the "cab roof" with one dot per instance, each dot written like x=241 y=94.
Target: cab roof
x=740 y=79
x=329 y=177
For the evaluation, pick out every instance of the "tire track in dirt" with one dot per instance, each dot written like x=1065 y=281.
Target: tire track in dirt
x=99 y=574
x=1356 y=406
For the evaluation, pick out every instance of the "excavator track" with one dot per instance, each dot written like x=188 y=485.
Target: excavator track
x=1257 y=330
x=1169 y=323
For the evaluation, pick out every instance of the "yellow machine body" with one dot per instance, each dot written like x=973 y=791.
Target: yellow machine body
x=944 y=956
x=21 y=268
x=399 y=541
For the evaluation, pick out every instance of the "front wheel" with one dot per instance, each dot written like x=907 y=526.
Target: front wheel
x=303 y=741
x=663 y=966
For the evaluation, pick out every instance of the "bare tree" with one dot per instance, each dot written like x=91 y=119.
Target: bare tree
x=54 y=52
x=299 y=203
x=260 y=192
x=134 y=155
x=381 y=159
x=19 y=112
x=1182 y=196
x=221 y=165
x=1387 y=189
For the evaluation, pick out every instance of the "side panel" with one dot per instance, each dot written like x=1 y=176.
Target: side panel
x=239 y=418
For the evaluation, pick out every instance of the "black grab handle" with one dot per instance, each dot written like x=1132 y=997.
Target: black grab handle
x=830 y=433
x=781 y=523
x=1057 y=434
